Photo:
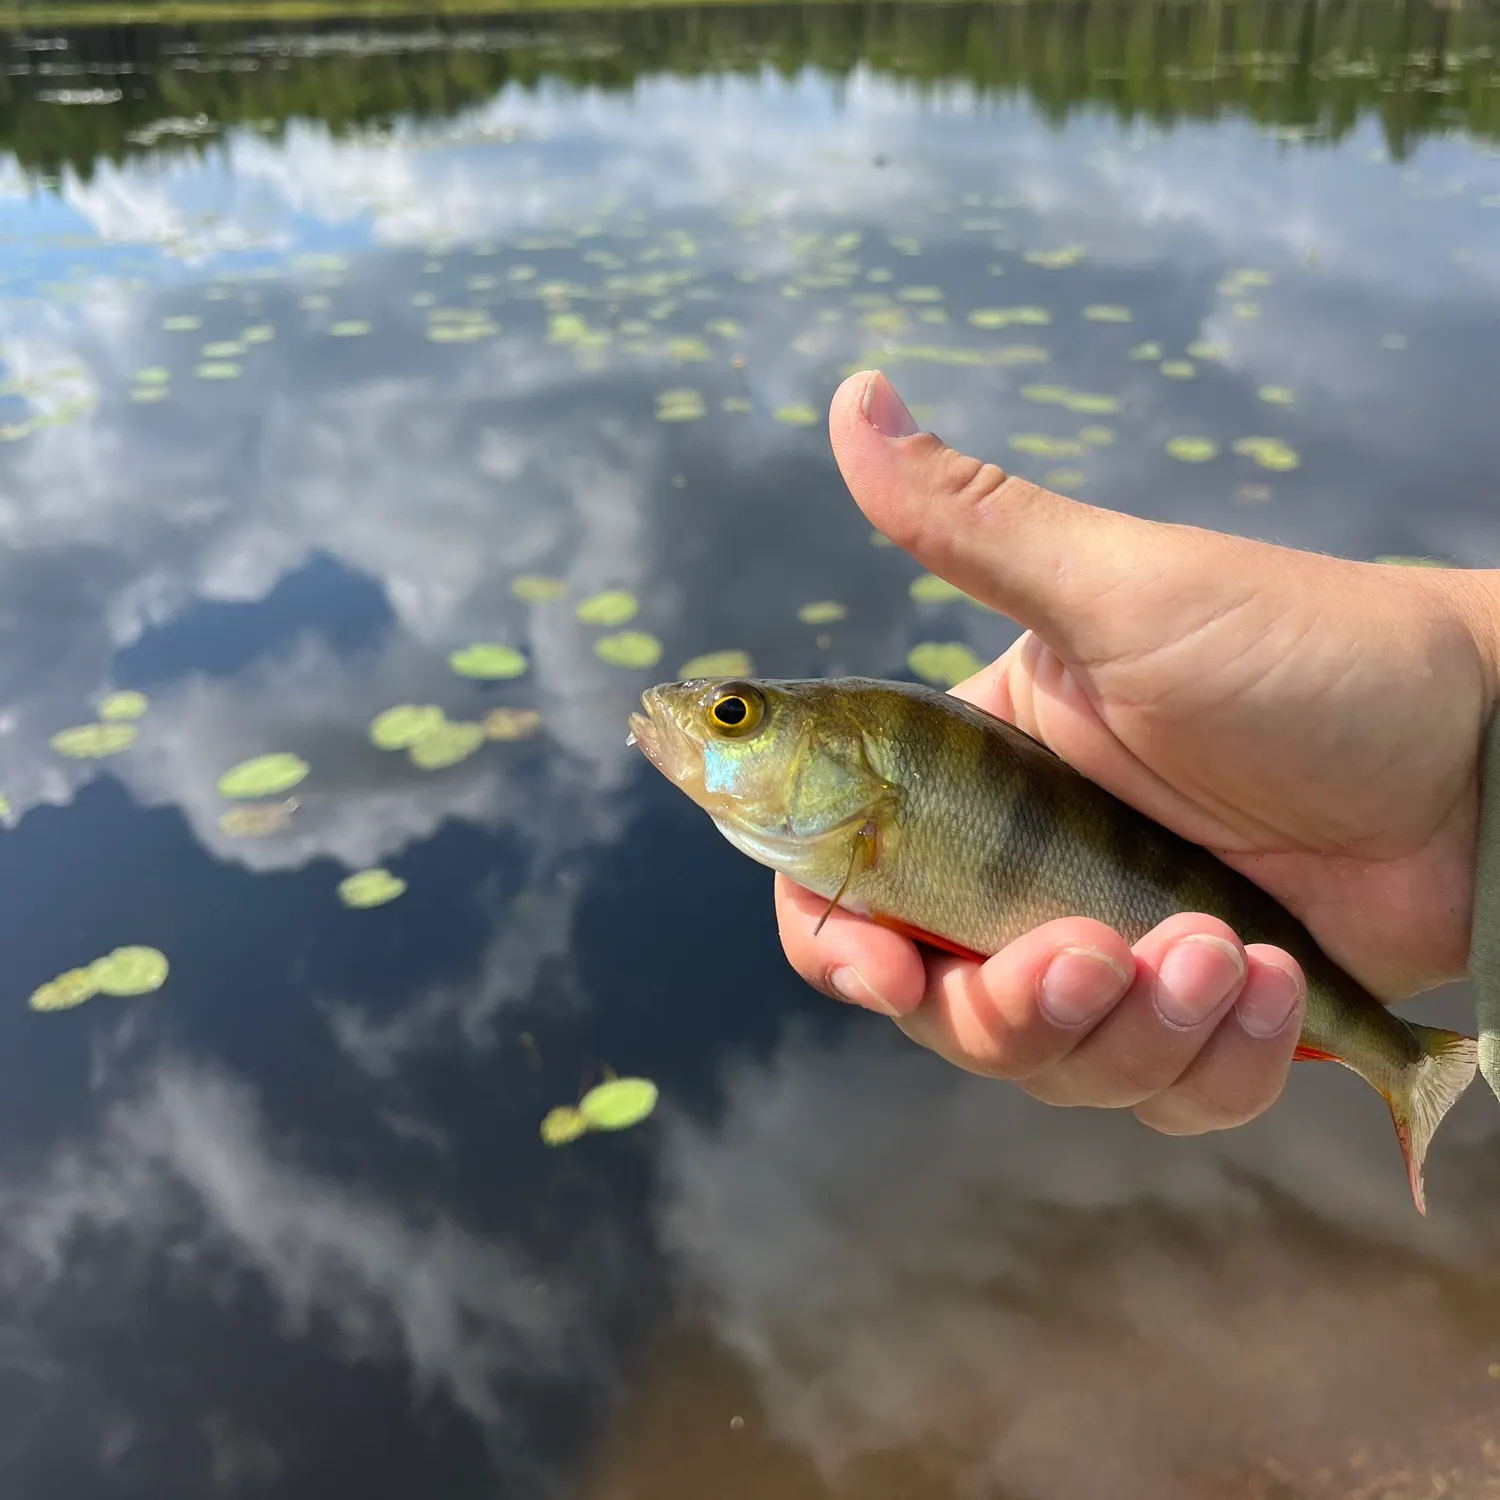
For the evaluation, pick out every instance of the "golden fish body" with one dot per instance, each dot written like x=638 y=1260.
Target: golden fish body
x=915 y=808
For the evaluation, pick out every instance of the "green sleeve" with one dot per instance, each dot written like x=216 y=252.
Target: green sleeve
x=1484 y=946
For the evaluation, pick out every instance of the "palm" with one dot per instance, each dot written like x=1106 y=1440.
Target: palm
x=1277 y=729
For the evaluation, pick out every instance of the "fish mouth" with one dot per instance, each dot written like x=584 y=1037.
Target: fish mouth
x=657 y=735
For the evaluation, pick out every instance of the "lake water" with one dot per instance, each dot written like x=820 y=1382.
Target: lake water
x=316 y=338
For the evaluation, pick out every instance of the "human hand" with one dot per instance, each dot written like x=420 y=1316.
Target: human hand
x=1315 y=722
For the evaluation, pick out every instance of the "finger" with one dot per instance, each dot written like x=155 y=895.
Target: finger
x=850 y=958
x=1190 y=970
x=1026 y=1008
x=1038 y=557
x=1243 y=1066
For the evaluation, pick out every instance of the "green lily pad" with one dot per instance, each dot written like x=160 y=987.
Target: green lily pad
x=263 y=776
x=153 y=375
x=611 y=607
x=130 y=971
x=1064 y=480
x=217 y=369
x=942 y=663
x=930 y=589
x=1402 y=560
x=1104 y=312
x=823 y=611
x=181 y=323
x=618 y=1103
x=628 y=648
x=67 y=990
x=255 y=820
x=1205 y=350
x=796 y=414
x=1148 y=350
x=562 y=1125
x=91 y=741
x=1192 y=450
x=124 y=705
x=1057 y=260
x=717 y=664
x=1095 y=437
x=370 y=888
x=489 y=662
x=446 y=746
x=1269 y=453
x=1005 y=317
x=1277 y=395
x=351 y=328
x=680 y=405
x=400 y=728
x=531 y=588
x=1178 y=369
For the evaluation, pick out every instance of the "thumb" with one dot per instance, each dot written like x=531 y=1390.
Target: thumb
x=1050 y=563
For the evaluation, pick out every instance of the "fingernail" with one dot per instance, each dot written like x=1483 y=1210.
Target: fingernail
x=885 y=411
x=1269 y=1001
x=1080 y=984
x=1196 y=977
x=850 y=985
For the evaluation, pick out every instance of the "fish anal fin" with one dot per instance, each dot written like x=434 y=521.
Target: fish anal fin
x=930 y=939
x=1425 y=1091
x=1314 y=1054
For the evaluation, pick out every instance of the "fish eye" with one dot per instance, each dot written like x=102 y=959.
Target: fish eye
x=736 y=708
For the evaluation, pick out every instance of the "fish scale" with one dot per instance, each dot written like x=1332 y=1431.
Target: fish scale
x=936 y=818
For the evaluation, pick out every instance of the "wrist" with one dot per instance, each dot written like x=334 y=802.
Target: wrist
x=1473 y=597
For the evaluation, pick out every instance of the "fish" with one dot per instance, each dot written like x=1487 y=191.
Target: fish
x=952 y=826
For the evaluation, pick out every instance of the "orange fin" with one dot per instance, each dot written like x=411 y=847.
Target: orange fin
x=1313 y=1054
x=930 y=939
x=1422 y=1093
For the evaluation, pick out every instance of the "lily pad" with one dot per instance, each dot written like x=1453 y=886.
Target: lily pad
x=91 y=741
x=130 y=971
x=1206 y=350
x=618 y=1103
x=123 y=705
x=1178 y=369
x=263 y=776
x=254 y=820
x=1192 y=450
x=531 y=588
x=628 y=648
x=400 y=728
x=370 y=888
x=489 y=662
x=823 y=611
x=611 y=607
x=1105 y=312
x=1401 y=560
x=1057 y=260
x=1277 y=395
x=930 y=589
x=796 y=414
x=1064 y=479
x=718 y=664
x=1005 y=317
x=562 y=1125
x=351 y=328
x=67 y=990
x=217 y=369
x=1148 y=350
x=1269 y=453
x=446 y=746
x=510 y=723
x=942 y=663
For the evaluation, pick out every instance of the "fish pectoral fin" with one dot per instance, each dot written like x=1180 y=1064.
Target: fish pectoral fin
x=864 y=850
x=929 y=939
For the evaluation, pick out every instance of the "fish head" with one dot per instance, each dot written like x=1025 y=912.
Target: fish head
x=781 y=767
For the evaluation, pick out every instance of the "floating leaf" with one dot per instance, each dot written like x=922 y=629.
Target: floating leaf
x=253 y=820
x=1057 y=260
x=679 y=406
x=130 y=971
x=1401 y=560
x=1039 y=445
x=1004 y=317
x=370 y=888
x=67 y=990
x=930 y=589
x=1064 y=479
x=217 y=370
x=1146 y=351
x=263 y=776
x=688 y=349
x=823 y=611
x=91 y=741
x=123 y=705
x=1103 y=312
x=4 y=807
x=611 y=607
x=488 y=661
x=153 y=375
x=796 y=415
x=225 y=349
x=629 y=648
x=717 y=664
x=1095 y=437
x=510 y=723
x=531 y=588
x=562 y=1125
x=1178 y=369
x=1269 y=453
x=942 y=663
x=1192 y=450
x=351 y=328
x=1277 y=395
x=181 y=323
x=400 y=728
x=261 y=333
x=446 y=746
x=1202 y=349
x=618 y=1103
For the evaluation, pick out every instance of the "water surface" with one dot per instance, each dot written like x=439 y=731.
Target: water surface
x=316 y=338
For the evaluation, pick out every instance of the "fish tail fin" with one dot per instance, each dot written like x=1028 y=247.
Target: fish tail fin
x=1425 y=1091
